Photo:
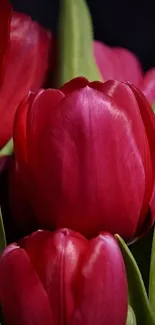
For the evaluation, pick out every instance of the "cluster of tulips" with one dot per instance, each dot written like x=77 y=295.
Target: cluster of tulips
x=77 y=175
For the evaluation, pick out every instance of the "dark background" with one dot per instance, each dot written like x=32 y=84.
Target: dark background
x=127 y=23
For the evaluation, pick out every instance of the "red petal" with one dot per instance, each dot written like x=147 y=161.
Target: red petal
x=74 y=84
x=143 y=127
x=55 y=257
x=43 y=109
x=20 y=131
x=148 y=86
x=5 y=18
x=131 y=66
x=101 y=287
x=20 y=180
x=30 y=45
x=149 y=123
x=108 y=63
x=23 y=298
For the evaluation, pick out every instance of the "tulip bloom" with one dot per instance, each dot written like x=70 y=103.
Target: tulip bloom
x=86 y=154
x=26 y=64
x=62 y=278
x=117 y=63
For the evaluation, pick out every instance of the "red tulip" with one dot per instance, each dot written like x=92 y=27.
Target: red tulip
x=86 y=154
x=117 y=63
x=26 y=68
x=62 y=278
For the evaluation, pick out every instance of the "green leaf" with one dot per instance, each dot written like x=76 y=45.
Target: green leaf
x=131 y=318
x=75 y=43
x=7 y=150
x=153 y=107
x=136 y=290
x=2 y=234
x=152 y=277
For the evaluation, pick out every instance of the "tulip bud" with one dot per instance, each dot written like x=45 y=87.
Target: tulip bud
x=75 y=39
x=85 y=153
x=71 y=281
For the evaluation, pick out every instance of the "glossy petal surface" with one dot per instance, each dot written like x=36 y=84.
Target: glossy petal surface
x=105 y=307
x=23 y=298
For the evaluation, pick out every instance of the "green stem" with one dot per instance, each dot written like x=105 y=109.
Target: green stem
x=75 y=43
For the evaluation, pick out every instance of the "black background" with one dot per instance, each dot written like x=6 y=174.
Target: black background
x=127 y=23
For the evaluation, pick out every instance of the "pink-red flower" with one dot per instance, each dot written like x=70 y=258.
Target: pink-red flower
x=62 y=278
x=86 y=157
x=26 y=63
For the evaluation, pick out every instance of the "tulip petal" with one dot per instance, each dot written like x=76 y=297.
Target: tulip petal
x=5 y=18
x=149 y=123
x=59 y=253
x=148 y=86
x=108 y=62
x=127 y=103
x=44 y=108
x=23 y=298
x=20 y=131
x=74 y=84
x=29 y=45
x=130 y=64
x=101 y=287
x=20 y=176
x=133 y=105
